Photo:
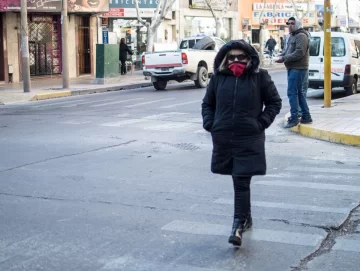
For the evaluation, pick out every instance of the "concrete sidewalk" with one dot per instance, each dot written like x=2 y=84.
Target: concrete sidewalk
x=340 y=123
x=51 y=87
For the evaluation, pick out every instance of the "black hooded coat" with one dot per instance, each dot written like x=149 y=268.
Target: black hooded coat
x=237 y=110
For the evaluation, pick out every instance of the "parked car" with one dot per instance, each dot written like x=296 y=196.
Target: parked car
x=345 y=61
x=182 y=64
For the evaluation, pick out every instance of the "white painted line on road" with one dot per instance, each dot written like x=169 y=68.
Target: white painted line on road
x=322 y=186
x=117 y=102
x=284 y=237
x=74 y=105
x=122 y=122
x=326 y=170
x=347 y=245
x=172 y=127
x=57 y=103
x=162 y=115
x=175 y=105
x=151 y=102
x=202 y=131
x=287 y=206
x=74 y=122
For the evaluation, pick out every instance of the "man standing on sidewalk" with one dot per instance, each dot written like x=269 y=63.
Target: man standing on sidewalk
x=296 y=59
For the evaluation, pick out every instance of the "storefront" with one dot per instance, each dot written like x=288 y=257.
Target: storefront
x=121 y=22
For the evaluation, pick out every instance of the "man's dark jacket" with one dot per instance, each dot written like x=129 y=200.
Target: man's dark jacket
x=270 y=44
x=233 y=111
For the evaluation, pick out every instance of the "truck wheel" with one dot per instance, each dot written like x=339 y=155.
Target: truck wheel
x=202 y=77
x=206 y=43
x=352 y=89
x=160 y=85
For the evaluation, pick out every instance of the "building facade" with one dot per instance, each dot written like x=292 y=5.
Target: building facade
x=44 y=38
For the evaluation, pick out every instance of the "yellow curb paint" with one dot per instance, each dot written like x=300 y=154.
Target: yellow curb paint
x=309 y=131
x=52 y=95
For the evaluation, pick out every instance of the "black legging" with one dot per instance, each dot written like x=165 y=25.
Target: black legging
x=242 y=205
x=123 y=67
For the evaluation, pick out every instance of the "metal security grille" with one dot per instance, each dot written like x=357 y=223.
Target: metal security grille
x=84 y=45
x=44 y=45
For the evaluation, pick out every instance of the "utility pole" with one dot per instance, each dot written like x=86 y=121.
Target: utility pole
x=25 y=47
x=64 y=44
x=327 y=53
x=347 y=17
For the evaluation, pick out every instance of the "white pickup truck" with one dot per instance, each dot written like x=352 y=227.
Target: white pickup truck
x=190 y=64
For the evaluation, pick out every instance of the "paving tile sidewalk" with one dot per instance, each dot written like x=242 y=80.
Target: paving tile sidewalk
x=51 y=87
x=339 y=123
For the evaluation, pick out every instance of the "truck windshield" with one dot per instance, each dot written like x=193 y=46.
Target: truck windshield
x=187 y=44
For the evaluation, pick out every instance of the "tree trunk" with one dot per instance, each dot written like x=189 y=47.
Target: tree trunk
x=219 y=27
x=261 y=40
x=150 y=39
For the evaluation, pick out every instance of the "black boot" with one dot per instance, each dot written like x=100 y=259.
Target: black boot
x=236 y=232
x=248 y=223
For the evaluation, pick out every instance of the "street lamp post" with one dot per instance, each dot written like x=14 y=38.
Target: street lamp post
x=64 y=44
x=327 y=53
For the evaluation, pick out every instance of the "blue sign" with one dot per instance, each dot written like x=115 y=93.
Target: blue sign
x=105 y=36
x=131 y=3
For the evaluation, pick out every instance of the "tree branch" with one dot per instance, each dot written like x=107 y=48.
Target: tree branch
x=208 y=3
x=141 y=20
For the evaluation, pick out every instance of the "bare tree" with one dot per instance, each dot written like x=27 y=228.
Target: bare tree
x=297 y=10
x=219 y=16
x=162 y=9
x=262 y=24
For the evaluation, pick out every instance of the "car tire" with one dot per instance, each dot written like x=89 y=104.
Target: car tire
x=202 y=77
x=352 y=89
x=160 y=85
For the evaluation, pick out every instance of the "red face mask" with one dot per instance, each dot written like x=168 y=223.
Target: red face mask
x=237 y=68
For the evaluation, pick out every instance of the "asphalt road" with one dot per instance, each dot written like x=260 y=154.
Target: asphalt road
x=121 y=181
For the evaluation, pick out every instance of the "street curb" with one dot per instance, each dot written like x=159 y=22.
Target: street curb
x=52 y=95
x=309 y=131
x=108 y=89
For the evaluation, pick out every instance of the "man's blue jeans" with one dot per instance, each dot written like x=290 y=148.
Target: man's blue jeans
x=305 y=87
x=296 y=95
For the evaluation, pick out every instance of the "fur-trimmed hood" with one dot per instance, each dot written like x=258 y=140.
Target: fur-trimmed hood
x=241 y=45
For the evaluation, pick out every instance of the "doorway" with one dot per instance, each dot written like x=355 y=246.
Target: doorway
x=2 y=58
x=84 y=45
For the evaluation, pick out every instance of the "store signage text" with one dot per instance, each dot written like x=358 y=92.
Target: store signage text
x=281 y=7
x=131 y=3
x=280 y=18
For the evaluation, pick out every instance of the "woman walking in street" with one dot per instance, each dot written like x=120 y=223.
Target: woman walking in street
x=241 y=101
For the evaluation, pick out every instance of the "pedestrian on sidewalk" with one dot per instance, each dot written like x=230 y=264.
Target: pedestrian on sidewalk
x=241 y=101
x=296 y=59
x=270 y=44
x=124 y=50
x=281 y=43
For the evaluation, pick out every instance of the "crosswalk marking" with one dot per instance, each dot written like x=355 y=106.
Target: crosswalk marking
x=74 y=105
x=285 y=237
x=347 y=245
x=117 y=102
x=151 y=102
x=179 y=104
x=325 y=170
x=74 y=122
x=287 y=206
x=161 y=116
x=323 y=186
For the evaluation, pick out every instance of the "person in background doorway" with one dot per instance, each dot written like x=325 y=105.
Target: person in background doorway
x=270 y=44
x=241 y=101
x=124 y=50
